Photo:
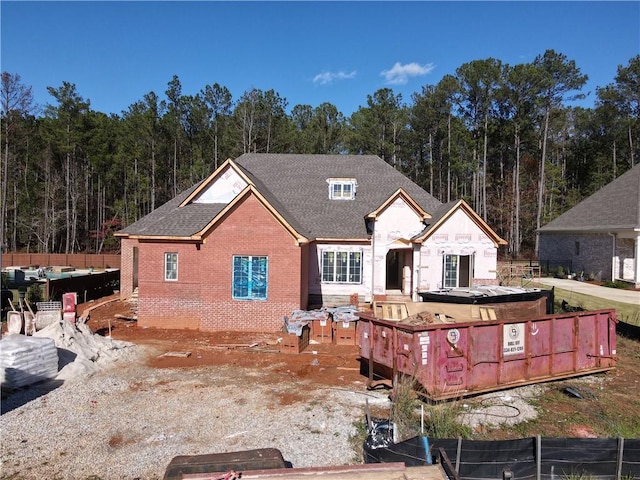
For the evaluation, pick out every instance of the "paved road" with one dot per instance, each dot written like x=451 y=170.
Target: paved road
x=617 y=294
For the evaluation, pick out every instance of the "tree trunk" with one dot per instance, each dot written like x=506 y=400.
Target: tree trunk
x=153 y=175
x=542 y=174
x=67 y=197
x=430 y=164
x=449 y=158
x=631 y=153
x=516 y=197
x=484 y=169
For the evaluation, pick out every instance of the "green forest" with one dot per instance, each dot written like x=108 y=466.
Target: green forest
x=506 y=138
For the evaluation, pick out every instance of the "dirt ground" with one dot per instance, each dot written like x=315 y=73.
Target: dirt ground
x=608 y=398
x=339 y=364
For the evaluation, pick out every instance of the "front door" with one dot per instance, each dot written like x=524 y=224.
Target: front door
x=398 y=268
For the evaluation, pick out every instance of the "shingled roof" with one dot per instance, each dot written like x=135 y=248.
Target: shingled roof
x=616 y=206
x=299 y=183
x=296 y=186
x=171 y=220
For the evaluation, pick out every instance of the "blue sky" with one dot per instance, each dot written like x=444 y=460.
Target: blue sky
x=308 y=52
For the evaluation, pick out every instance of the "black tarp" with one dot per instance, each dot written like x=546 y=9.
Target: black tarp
x=628 y=330
x=484 y=460
x=529 y=296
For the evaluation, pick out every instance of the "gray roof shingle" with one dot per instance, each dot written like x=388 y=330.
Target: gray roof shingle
x=299 y=182
x=171 y=221
x=296 y=186
x=616 y=206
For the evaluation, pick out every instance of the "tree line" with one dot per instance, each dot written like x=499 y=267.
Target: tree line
x=506 y=138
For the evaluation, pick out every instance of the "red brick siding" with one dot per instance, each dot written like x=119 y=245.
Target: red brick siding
x=126 y=267
x=202 y=295
x=168 y=304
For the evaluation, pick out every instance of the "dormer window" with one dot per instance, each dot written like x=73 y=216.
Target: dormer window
x=342 y=188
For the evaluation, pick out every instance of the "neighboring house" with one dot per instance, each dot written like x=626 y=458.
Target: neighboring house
x=600 y=236
x=267 y=234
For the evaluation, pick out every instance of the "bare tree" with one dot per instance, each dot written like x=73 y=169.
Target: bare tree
x=16 y=100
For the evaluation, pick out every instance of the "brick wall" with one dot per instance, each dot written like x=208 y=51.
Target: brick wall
x=201 y=298
x=593 y=255
x=126 y=268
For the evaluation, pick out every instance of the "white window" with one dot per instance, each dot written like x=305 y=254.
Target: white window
x=457 y=271
x=341 y=267
x=171 y=266
x=342 y=189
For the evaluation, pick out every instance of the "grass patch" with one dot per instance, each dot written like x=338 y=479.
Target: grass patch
x=627 y=312
x=410 y=414
x=612 y=411
x=356 y=440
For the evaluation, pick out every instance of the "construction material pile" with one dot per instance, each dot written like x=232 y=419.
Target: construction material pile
x=25 y=360
x=81 y=351
x=61 y=350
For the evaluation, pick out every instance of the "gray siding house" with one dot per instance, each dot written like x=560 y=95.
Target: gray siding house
x=601 y=235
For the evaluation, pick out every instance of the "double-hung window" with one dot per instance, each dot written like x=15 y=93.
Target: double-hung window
x=344 y=189
x=171 y=266
x=250 y=277
x=341 y=267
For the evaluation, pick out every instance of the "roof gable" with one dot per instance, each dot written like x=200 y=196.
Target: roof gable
x=222 y=186
x=400 y=193
x=446 y=211
x=616 y=206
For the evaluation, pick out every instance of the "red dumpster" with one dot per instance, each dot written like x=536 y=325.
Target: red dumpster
x=451 y=360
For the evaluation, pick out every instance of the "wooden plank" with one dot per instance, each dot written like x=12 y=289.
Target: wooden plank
x=371 y=471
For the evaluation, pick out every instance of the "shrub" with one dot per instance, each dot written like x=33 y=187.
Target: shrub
x=441 y=420
x=34 y=294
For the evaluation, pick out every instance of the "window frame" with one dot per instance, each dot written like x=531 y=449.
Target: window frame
x=257 y=277
x=170 y=267
x=460 y=267
x=333 y=195
x=341 y=273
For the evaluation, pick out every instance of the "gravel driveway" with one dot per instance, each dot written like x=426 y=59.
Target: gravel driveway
x=128 y=420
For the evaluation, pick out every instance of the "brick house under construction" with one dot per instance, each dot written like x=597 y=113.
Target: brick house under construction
x=266 y=234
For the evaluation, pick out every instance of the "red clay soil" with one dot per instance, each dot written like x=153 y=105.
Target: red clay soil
x=339 y=365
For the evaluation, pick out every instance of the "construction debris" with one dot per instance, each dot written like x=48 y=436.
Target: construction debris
x=176 y=354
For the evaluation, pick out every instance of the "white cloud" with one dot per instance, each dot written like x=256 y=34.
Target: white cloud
x=399 y=74
x=327 y=78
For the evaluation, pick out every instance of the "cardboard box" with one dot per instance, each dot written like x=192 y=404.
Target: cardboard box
x=344 y=333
